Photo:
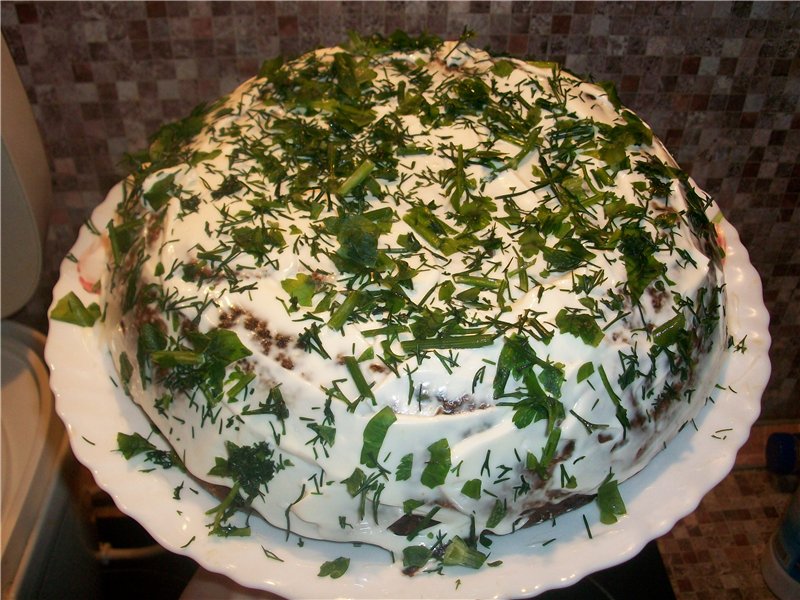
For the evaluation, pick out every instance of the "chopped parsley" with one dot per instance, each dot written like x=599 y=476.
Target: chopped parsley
x=131 y=445
x=438 y=465
x=374 y=434
x=71 y=309
x=334 y=568
x=609 y=501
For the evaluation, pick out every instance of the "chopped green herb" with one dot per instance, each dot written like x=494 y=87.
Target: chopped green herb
x=134 y=444
x=160 y=192
x=374 y=434
x=668 y=333
x=416 y=556
x=585 y=371
x=472 y=489
x=302 y=288
x=503 y=68
x=459 y=554
x=271 y=555
x=439 y=464
x=273 y=405
x=250 y=467
x=581 y=325
x=622 y=413
x=355 y=483
x=186 y=545
x=403 y=471
x=345 y=309
x=609 y=501
x=351 y=362
x=334 y=568
x=357 y=177
x=499 y=510
x=70 y=309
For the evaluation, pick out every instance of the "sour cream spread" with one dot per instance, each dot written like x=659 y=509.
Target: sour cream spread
x=403 y=292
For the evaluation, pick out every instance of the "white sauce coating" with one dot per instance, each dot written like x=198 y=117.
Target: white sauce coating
x=502 y=291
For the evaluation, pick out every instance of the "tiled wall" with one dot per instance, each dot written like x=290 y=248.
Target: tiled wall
x=718 y=81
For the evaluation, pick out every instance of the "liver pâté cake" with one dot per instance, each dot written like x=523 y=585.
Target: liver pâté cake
x=403 y=292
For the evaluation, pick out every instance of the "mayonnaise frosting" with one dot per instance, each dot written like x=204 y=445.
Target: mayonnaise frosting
x=403 y=291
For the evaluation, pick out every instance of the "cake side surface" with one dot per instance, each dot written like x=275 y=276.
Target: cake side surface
x=400 y=295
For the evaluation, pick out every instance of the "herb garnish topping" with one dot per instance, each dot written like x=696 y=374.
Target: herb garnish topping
x=71 y=309
x=359 y=188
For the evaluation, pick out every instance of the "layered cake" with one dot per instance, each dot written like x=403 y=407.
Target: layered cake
x=403 y=292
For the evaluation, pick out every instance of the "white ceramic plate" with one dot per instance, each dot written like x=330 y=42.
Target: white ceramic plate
x=533 y=560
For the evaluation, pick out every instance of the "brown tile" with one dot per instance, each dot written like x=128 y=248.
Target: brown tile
x=220 y=8
x=140 y=50
x=27 y=13
x=82 y=71
x=178 y=8
x=518 y=45
x=201 y=28
x=287 y=26
x=560 y=24
x=137 y=30
x=156 y=8
x=161 y=50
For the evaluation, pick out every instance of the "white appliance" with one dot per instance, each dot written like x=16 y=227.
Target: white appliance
x=44 y=552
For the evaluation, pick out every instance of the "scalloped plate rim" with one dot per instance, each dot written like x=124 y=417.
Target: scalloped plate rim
x=660 y=495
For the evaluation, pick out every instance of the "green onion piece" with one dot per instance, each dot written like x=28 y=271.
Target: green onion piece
x=668 y=333
x=411 y=150
x=387 y=331
x=602 y=177
x=498 y=513
x=459 y=554
x=448 y=343
x=356 y=177
x=242 y=380
x=345 y=309
x=173 y=358
x=480 y=282
x=358 y=378
x=622 y=414
x=427 y=521
x=522 y=273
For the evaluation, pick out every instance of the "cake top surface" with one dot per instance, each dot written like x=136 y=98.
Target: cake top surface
x=439 y=281
x=397 y=216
